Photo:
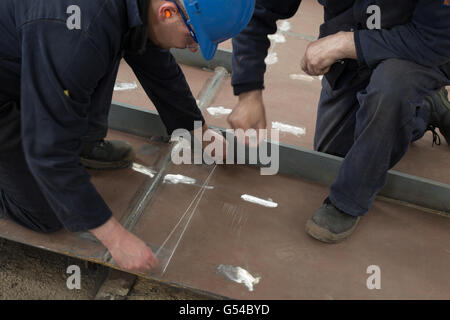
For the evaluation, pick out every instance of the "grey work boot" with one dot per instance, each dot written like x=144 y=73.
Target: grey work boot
x=331 y=225
x=105 y=155
x=439 y=115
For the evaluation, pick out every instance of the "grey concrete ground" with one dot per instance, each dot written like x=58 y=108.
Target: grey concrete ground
x=31 y=273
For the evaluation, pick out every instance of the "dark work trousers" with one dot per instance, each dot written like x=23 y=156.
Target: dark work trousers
x=371 y=123
x=21 y=199
x=101 y=104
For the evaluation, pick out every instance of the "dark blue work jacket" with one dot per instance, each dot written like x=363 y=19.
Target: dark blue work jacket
x=414 y=30
x=52 y=70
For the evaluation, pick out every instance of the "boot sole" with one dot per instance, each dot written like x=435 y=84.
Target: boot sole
x=325 y=235
x=102 y=165
x=443 y=96
x=445 y=131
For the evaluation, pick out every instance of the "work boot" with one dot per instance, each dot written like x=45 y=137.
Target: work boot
x=331 y=225
x=439 y=115
x=104 y=155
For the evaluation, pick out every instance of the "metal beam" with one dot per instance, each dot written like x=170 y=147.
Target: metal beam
x=137 y=121
x=324 y=168
x=301 y=162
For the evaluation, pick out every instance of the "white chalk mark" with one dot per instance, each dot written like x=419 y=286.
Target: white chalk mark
x=122 y=86
x=178 y=178
x=277 y=38
x=297 y=131
x=302 y=77
x=271 y=58
x=239 y=275
x=262 y=202
x=285 y=26
x=219 y=111
x=143 y=169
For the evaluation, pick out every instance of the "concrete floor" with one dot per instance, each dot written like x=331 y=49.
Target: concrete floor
x=28 y=273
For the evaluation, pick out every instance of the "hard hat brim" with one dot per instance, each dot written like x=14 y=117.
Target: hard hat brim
x=207 y=47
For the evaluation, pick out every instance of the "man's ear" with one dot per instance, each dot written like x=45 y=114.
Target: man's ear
x=167 y=11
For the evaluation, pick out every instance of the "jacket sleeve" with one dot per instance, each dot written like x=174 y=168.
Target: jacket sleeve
x=425 y=40
x=60 y=69
x=165 y=84
x=250 y=47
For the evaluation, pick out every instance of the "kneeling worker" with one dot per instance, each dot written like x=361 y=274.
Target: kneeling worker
x=56 y=89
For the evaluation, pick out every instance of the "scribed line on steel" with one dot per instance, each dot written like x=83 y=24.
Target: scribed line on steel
x=147 y=123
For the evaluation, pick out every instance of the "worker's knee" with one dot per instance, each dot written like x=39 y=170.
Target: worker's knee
x=391 y=97
x=394 y=80
x=43 y=221
x=32 y=222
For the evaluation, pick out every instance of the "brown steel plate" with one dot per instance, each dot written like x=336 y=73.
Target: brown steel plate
x=201 y=226
x=410 y=246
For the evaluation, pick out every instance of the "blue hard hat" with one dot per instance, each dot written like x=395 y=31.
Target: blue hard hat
x=215 y=21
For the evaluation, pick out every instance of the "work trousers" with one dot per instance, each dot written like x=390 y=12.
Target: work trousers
x=21 y=199
x=370 y=122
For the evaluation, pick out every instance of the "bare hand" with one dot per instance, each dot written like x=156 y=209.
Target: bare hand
x=320 y=55
x=249 y=113
x=128 y=251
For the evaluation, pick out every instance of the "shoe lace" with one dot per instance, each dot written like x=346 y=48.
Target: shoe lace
x=436 y=137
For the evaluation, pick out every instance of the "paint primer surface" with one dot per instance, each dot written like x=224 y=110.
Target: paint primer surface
x=239 y=275
x=262 y=202
x=298 y=131
x=178 y=178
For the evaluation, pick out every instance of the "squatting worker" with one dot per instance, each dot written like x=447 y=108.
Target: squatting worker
x=383 y=88
x=56 y=86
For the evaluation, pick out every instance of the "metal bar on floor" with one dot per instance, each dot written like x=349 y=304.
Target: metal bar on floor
x=300 y=162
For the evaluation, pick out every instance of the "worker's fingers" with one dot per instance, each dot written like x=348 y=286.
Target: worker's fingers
x=304 y=65
x=315 y=69
x=324 y=71
x=148 y=263
x=239 y=119
x=153 y=260
x=307 y=65
x=310 y=69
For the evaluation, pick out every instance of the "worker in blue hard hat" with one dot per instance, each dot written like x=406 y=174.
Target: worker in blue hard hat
x=58 y=64
x=208 y=22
